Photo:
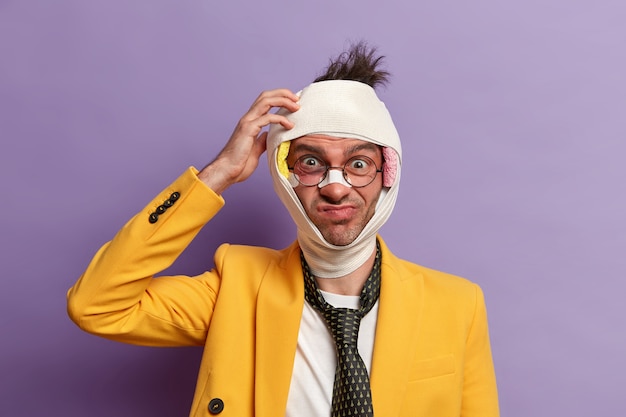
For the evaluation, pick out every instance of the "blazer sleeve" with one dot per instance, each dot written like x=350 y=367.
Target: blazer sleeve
x=117 y=296
x=480 y=396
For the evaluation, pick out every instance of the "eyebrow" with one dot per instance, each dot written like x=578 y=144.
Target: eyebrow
x=368 y=146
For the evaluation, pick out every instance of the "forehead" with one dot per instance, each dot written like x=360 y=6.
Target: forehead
x=329 y=144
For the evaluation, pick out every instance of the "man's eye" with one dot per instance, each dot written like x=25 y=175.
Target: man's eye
x=359 y=164
x=310 y=162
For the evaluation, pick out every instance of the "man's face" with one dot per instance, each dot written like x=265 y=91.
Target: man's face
x=339 y=212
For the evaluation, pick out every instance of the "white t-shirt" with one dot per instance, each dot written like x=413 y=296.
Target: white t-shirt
x=311 y=389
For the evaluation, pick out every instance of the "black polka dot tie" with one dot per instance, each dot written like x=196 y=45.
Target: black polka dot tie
x=352 y=396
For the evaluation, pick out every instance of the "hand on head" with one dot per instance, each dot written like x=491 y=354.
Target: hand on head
x=240 y=156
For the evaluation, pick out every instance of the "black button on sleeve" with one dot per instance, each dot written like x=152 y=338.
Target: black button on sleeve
x=154 y=217
x=216 y=406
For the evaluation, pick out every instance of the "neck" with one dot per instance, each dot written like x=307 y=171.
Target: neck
x=329 y=261
x=350 y=284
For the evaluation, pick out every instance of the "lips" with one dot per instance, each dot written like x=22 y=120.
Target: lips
x=338 y=213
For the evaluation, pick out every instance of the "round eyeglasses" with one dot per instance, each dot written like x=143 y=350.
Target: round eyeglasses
x=358 y=171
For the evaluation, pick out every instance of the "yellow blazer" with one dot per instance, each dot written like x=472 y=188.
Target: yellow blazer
x=431 y=357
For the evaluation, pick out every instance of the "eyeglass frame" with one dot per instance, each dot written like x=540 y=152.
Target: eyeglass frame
x=328 y=168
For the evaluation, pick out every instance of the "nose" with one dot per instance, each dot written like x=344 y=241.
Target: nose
x=334 y=190
x=334 y=175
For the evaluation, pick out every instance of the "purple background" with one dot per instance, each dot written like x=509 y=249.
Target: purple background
x=513 y=117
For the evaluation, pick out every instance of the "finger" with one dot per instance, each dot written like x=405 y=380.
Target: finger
x=270 y=97
x=264 y=105
x=252 y=128
x=279 y=92
x=273 y=118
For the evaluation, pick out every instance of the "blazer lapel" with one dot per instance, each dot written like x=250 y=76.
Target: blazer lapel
x=396 y=334
x=279 y=311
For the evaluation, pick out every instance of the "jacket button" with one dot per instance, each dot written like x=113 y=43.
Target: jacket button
x=153 y=218
x=168 y=203
x=161 y=209
x=175 y=196
x=216 y=406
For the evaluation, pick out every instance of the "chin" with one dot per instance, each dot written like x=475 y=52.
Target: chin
x=343 y=239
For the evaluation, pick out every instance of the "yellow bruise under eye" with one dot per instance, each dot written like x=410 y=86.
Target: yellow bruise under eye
x=281 y=159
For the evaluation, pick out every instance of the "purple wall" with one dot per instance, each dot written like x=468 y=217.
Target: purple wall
x=513 y=116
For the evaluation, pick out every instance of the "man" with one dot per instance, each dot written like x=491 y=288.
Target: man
x=334 y=324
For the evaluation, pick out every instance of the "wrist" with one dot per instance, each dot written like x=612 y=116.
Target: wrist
x=215 y=177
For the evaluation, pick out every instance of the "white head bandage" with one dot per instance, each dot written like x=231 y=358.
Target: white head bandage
x=343 y=109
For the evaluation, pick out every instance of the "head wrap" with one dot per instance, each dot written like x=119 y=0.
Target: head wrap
x=342 y=109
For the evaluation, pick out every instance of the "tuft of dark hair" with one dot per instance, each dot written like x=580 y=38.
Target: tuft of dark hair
x=360 y=62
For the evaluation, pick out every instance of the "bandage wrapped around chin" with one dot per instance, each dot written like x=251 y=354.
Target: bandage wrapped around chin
x=341 y=109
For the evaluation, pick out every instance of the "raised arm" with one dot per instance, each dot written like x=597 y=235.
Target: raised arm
x=118 y=297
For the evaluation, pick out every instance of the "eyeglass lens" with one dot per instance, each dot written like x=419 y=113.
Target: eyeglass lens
x=358 y=171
